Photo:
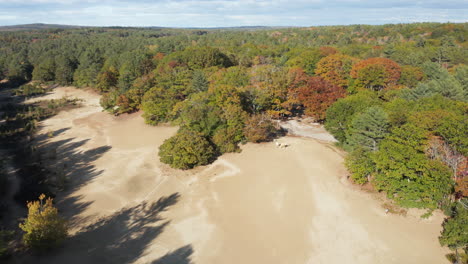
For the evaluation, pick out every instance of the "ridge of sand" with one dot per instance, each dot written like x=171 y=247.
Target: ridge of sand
x=264 y=205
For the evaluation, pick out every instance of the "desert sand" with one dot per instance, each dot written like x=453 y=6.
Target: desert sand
x=264 y=205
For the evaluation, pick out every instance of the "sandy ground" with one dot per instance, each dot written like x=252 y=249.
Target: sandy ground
x=264 y=205
x=307 y=128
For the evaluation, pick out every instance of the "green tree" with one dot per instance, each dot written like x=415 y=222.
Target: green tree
x=404 y=171
x=90 y=64
x=454 y=129
x=411 y=76
x=341 y=113
x=461 y=75
x=204 y=57
x=2 y=69
x=44 y=227
x=157 y=104
x=440 y=83
x=198 y=114
x=230 y=133
x=359 y=162
x=199 y=82
x=45 y=71
x=65 y=67
x=185 y=150
x=455 y=233
x=368 y=129
x=19 y=68
x=306 y=60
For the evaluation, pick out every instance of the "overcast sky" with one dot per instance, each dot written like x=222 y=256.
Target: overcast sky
x=221 y=13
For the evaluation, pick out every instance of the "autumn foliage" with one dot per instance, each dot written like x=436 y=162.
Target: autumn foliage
x=326 y=51
x=375 y=73
x=43 y=228
x=315 y=94
x=259 y=128
x=335 y=68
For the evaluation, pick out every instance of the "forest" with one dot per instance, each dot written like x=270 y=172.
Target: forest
x=394 y=96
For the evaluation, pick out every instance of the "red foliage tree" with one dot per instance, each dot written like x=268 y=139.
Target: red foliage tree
x=315 y=94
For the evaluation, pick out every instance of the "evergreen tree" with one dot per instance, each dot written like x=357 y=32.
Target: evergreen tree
x=19 y=68
x=199 y=82
x=65 y=67
x=45 y=71
x=90 y=64
x=368 y=129
x=341 y=113
x=441 y=83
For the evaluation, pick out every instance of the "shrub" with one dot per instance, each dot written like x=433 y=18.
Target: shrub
x=259 y=128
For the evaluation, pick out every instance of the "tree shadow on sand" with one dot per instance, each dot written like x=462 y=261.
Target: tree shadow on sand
x=59 y=167
x=179 y=256
x=55 y=166
x=119 y=238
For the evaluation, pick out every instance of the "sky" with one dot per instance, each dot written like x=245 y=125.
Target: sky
x=225 y=13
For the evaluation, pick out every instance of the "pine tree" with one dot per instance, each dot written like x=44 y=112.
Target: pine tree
x=368 y=129
x=199 y=82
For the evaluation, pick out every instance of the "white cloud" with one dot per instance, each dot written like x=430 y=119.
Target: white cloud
x=213 y=13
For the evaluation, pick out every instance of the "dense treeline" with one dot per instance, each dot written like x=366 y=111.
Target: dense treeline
x=395 y=96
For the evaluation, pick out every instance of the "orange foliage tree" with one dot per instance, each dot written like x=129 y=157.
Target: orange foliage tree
x=335 y=69
x=327 y=51
x=315 y=94
x=375 y=73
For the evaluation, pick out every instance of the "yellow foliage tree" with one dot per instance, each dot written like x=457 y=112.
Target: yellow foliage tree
x=44 y=227
x=335 y=69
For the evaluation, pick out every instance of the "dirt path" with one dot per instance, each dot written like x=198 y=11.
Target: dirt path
x=264 y=205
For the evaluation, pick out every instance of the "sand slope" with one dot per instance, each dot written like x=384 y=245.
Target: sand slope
x=264 y=205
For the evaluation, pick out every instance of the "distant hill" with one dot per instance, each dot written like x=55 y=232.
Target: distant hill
x=37 y=26
x=41 y=26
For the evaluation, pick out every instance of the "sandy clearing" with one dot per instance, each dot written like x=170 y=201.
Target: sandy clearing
x=264 y=205
x=307 y=128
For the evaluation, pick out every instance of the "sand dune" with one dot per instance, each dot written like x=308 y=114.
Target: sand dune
x=264 y=205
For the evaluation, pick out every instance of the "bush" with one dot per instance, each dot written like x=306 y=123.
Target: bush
x=185 y=150
x=108 y=100
x=30 y=90
x=44 y=227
